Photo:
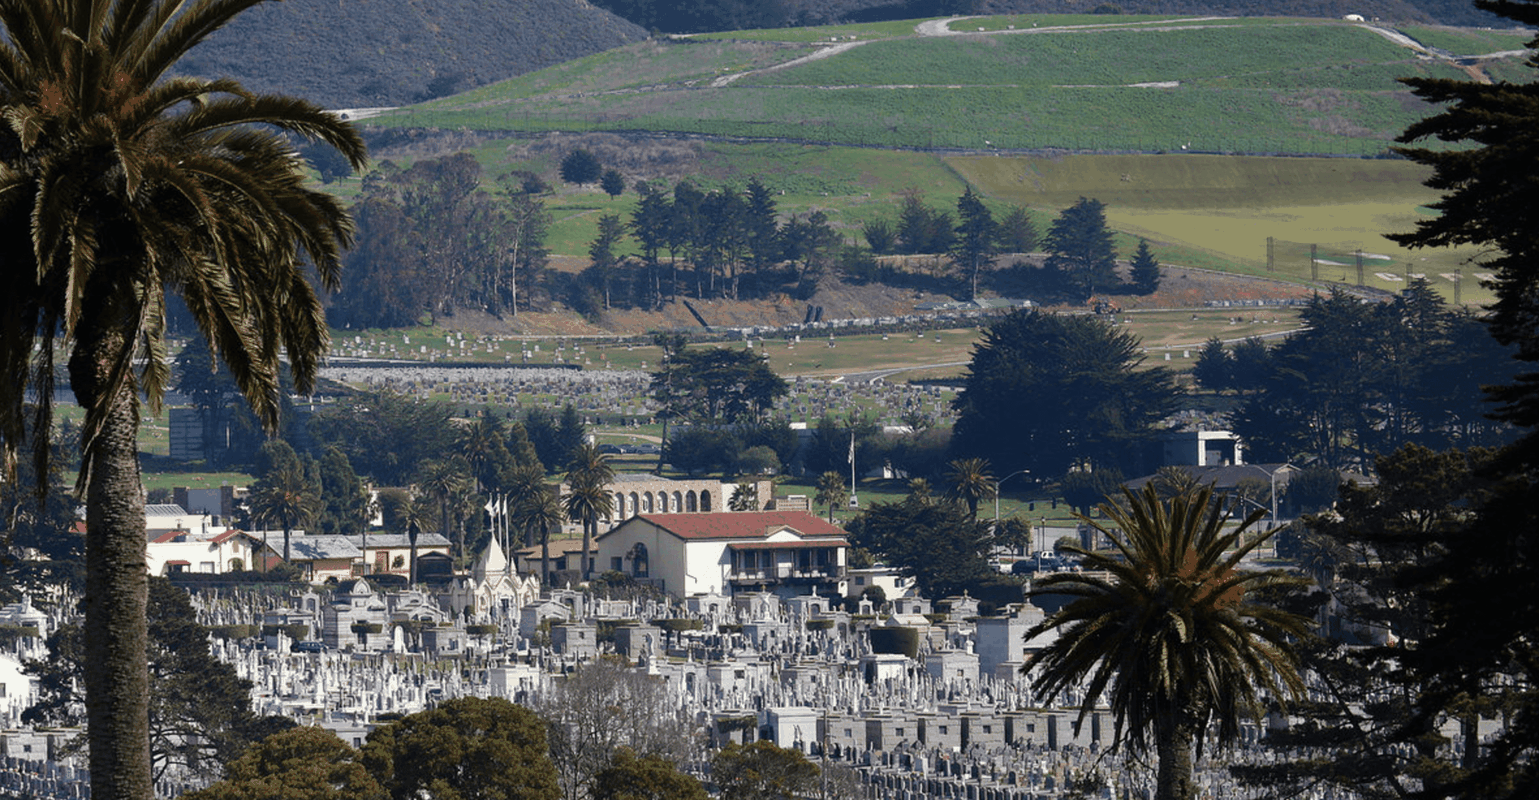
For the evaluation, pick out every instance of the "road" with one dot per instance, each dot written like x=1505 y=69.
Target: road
x=876 y=375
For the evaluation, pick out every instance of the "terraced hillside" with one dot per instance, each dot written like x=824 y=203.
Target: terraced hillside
x=1119 y=84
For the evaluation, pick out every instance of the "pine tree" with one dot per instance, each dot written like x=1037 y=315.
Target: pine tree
x=975 y=241
x=1145 y=271
x=580 y=166
x=612 y=182
x=1081 y=248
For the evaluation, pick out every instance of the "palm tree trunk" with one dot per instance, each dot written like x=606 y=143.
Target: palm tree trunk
x=544 y=555
x=411 y=570
x=117 y=587
x=589 y=523
x=1174 y=748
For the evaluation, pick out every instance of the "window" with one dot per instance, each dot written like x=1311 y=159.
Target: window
x=616 y=563
x=943 y=730
x=848 y=733
x=988 y=729
x=897 y=731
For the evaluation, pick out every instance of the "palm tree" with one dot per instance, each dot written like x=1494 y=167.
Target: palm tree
x=588 y=496
x=120 y=183
x=525 y=486
x=482 y=445
x=745 y=497
x=969 y=482
x=831 y=491
x=543 y=512
x=1171 y=481
x=441 y=480
x=1169 y=631
x=920 y=492
x=413 y=516
x=286 y=499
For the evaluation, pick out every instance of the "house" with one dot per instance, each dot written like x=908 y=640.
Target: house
x=390 y=553
x=182 y=550
x=326 y=557
x=563 y=556
x=786 y=553
x=1228 y=479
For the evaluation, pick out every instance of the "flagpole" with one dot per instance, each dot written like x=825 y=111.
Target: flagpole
x=852 y=460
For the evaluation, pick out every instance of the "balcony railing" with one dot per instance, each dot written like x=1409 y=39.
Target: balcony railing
x=827 y=572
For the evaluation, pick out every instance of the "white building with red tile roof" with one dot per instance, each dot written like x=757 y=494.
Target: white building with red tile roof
x=228 y=550
x=788 y=553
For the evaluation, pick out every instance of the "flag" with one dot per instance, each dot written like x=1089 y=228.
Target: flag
x=852 y=447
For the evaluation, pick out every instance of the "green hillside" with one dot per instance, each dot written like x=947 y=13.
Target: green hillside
x=1096 y=83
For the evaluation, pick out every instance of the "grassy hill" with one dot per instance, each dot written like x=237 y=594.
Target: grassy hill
x=1089 y=83
x=365 y=53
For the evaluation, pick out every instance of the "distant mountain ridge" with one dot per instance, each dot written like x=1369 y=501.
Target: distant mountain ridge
x=365 y=53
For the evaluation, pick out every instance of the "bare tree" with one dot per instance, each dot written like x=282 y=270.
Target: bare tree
x=604 y=706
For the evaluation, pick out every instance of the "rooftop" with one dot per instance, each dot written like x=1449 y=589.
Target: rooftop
x=741 y=524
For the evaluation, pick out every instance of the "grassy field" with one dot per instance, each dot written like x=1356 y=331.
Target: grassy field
x=1080 y=83
x=1468 y=41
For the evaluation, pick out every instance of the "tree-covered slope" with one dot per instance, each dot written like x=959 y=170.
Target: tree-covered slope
x=362 y=53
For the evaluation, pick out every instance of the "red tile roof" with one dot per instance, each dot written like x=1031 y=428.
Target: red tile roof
x=741 y=524
x=821 y=542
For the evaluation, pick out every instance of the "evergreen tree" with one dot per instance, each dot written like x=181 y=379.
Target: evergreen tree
x=1373 y=560
x=943 y=549
x=976 y=232
x=880 y=236
x=1213 y=368
x=612 y=182
x=764 y=241
x=343 y=501
x=922 y=229
x=1091 y=402
x=1080 y=247
x=601 y=253
x=1145 y=271
x=467 y=747
x=1017 y=234
x=580 y=166
x=301 y=763
x=1484 y=641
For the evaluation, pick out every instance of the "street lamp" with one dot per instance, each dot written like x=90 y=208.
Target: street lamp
x=996 y=494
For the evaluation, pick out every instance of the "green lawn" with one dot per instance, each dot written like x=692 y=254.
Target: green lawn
x=1085 y=83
